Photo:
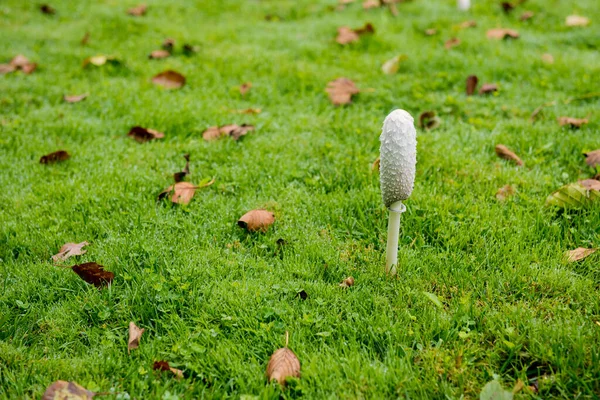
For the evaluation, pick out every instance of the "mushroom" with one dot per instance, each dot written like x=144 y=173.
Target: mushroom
x=464 y=5
x=397 y=174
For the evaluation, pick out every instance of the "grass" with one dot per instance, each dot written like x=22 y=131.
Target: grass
x=216 y=301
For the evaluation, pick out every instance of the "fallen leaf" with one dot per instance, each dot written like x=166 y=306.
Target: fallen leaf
x=179 y=176
x=488 y=88
x=573 y=195
x=182 y=192
x=168 y=44
x=63 y=390
x=7 y=68
x=74 y=98
x=507 y=7
x=430 y=32
x=158 y=54
x=472 y=81
x=143 y=135
x=282 y=365
x=245 y=87
x=347 y=35
x=85 y=39
x=46 y=9
x=505 y=192
x=70 y=250
x=572 y=122
x=169 y=79
x=135 y=334
x=376 y=164
x=428 y=120
x=592 y=158
x=503 y=152
x=577 y=20
x=93 y=273
x=590 y=184
x=468 y=24
x=164 y=366
x=19 y=62
x=578 y=254
x=57 y=156
x=450 y=43
x=367 y=28
x=368 y=4
x=346 y=283
x=548 y=58
x=233 y=130
x=341 y=90
x=212 y=133
x=501 y=33
x=100 y=60
x=138 y=11
x=527 y=15
x=494 y=391
x=256 y=220
x=392 y=65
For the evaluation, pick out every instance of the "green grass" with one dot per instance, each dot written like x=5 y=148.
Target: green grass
x=216 y=301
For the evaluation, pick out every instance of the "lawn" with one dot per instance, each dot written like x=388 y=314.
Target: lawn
x=483 y=290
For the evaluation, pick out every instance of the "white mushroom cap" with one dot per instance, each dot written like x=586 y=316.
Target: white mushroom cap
x=398 y=157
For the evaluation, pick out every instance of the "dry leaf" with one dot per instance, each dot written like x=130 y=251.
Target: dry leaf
x=74 y=98
x=138 y=11
x=164 y=366
x=592 y=158
x=169 y=79
x=527 y=15
x=507 y=7
x=70 y=250
x=57 y=156
x=368 y=28
x=46 y=9
x=503 y=152
x=376 y=164
x=349 y=281
x=501 y=33
x=143 y=135
x=578 y=254
x=182 y=192
x=179 y=176
x=212 y=133
x=428 y=120
x=100 y=60
x=577 y=20
x=85 y=39
x=572 y=122
x=590 y=184
x=548 y=58
x=488 y=88
x=468 y=24
x=168 y=44
x=19 y=62
x=505 y=192
x=256 y=220
x=63 y=390
x=430 y=31
x=368 y=4
x=472 y=81
x=93 y=273
x=341 y=91
x=283 y=364
x=236 y=131
x=347 y=35
x=392 y=65
x=453 y=42
x=158 y=54
x=245 y=87
x=6 y=68
x=135 y=334
x=573 y=195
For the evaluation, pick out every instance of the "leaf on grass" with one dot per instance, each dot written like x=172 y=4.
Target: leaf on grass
x=472 y=81
x=592 y=158
x=158 y=54
x=590 y=184
x=503 y=152
x=100 y=60
x=434 y=299
x=507 y=7
x=348 y=35
x=46 y=9
x=392 y=65
x=468 y=24
x=19 y=62
x=282 y=365
x=168 y=44
x=494 y=391
x=74 y=98
x=6 y=69
x=182 y=192
x=94 y=274
x=452 y=42
x=548 y=58
x=573 y=195
x=179 y=176
x=63 y=390
x=85 y=39
x=341 y=91
x=368 y=4
x=375 y=165
x=169 y=79
x=135 y=334
x=578 y=254
x=138 y=11
x=233 y=130
x=189 y=49
x=488 y=88
x=505 y=192
x=502 y=33
x=527 y=15
x=57 y=156
x=256 y=220
x=245 y=87
x=70 y=250
x=572 y=122
x=428 y=120
x=346 y=283
x=142 y=135
x=164 y=366
x=431 y=32
x=577 y=20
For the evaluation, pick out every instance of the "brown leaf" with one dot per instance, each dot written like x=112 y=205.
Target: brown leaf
x=590 y=184
x=168 y=44
x=138 y=11
x=368 y=4
x=428 y=120
x=85 y=39
x=488 y=88
x=472 y=81
x=74 y=98
x=505 y=192
x=282 y=365
x=57 y=156
x=507 y=7
x=577 y=20
x=347 y=35
x=468 y=24
x=592 y=158
x=21 y=62
x=349 y=281
x=63 y=390
x=341 y=91
x=376 y=164
x=233 y=130
x=450 y=43
x=430 y=31
x=70 y=250
x=7 y=68
x=572 y=122
x=164 y=366
x=135 y=334
x=169 y=79
x=502 y=33
x=182 y=192
x=212 y=133
x=368 y=28
x=245 y=87
x=179 y=176
x=46 y=9
x=94 y=273
x=256 y=220
x=503 y=152
x=143 y=135
x=157 y=54
x=578 y=254
x=527 y=15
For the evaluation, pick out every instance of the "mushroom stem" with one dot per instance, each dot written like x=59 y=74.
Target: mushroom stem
x=396 y=209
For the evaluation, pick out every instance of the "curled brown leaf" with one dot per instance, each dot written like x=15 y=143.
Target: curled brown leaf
x=57 y=156
x=341 y=91
x=349 y=281
x=488 y=88
x=502 y=33
x=135 y=334
x=471 y=84
x=70 y=250
x=592 y=158
x=169 y=79
x=348 y=35
x=94 y=274
x=503 y=152
x=572 y=122
x=143 y=135
x=256 y=220
x=75 y=98
x=182 y=192
x=282 y=365
x=164 y=366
